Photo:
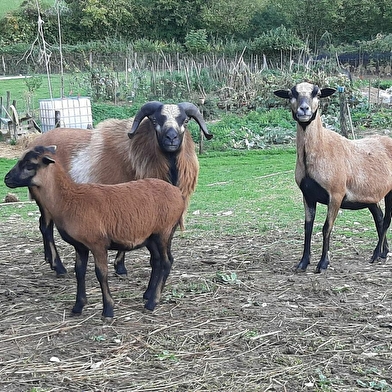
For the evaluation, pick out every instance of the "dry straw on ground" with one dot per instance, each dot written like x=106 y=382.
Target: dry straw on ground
x=234 y=317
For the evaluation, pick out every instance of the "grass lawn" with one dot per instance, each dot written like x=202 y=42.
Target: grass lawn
x=28 y=101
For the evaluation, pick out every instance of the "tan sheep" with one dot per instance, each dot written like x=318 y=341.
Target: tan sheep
x=98 y=217
x=338 y=172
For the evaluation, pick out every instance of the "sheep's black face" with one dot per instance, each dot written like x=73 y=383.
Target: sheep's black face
x=26 y=168
x=169 y=124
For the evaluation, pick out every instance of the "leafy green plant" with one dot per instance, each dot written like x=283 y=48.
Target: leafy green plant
x=226 y=278
x=167 y=355
x=377 y=385
x=196 y=41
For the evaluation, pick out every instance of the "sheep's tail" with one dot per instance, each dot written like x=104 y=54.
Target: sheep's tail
x=181 y=222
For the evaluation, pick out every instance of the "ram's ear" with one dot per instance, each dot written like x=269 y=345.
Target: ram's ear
x=285 y=94
x=47 y=160
x=326 y=92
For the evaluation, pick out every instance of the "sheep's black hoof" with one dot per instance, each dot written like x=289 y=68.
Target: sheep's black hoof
x=300 y=268
x=320 y=270
x=78 y=309
x=379 y=259
x=120 y=270
x=75 y=313
x=107 y=320
x=60 y=271
x=150 y=305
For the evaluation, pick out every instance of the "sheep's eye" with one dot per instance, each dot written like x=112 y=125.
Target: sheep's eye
x=30 y=166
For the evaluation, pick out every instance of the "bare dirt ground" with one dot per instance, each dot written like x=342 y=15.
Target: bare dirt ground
x=234 y=317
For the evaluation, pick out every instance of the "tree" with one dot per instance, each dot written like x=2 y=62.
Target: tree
x=98 y=19
x=371 y=18
x=311 y=19
x=228 y=18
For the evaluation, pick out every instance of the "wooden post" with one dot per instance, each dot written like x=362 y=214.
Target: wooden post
x=343 y=112
x=1 y=112
x=57 y=119
x=15 y=120
x=8 y=99
x=201 y=142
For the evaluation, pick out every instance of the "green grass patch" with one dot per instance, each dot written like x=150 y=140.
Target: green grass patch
x=5 y=166
x=29 y=91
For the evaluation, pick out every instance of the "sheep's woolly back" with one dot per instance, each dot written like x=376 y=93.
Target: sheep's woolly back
x=68 y=141
x=126 y=213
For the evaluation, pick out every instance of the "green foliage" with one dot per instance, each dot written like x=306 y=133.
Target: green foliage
x=196 y=41
x=276 y=40
x=382 y=84
x=310 y=21
x=102 y=112
x=226 y=278
x=255 y=130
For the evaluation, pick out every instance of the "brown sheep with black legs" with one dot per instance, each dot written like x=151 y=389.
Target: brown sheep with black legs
x=156 y=143
x=338 y=172
x=98 y=217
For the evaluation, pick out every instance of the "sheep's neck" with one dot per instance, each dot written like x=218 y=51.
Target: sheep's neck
x=173 y=169
x=309 y=139
x=58 y=191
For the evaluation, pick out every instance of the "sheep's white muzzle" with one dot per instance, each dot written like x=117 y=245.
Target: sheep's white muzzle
x=303 y=118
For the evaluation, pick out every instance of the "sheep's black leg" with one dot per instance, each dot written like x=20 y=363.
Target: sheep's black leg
x=119 y=264
x=381 y=249
x=164 y=270
x=80 y=271
x=310 y=213
x=333 y=209
x=168 y=257
x=378 y=217
x=161 y=262
x=155 y=272
x=50 y=250
x=101 y=271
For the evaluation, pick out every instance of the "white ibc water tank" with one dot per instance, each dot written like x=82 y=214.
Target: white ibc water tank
x=73 y=113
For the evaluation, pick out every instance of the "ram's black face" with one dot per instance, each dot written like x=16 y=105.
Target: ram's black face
x=169 y=124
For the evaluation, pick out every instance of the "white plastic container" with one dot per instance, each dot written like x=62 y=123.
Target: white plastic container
x=73 y=113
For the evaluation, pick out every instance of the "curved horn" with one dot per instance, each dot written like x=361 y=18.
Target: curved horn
x=146 y=110
x=191 y=110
